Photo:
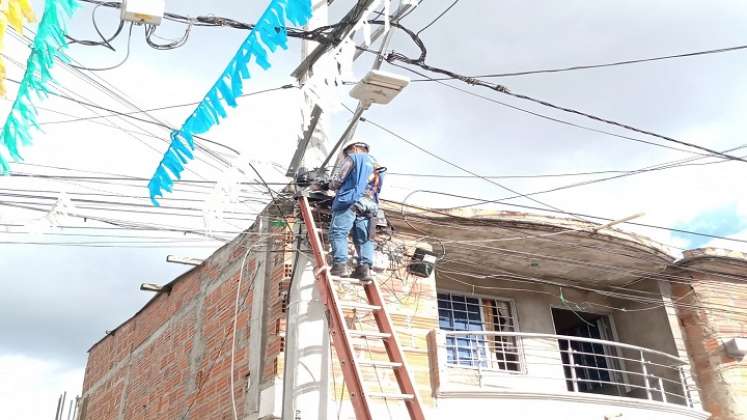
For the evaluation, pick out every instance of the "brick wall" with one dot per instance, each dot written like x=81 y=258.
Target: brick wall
x=173 y=357
x=722 y=379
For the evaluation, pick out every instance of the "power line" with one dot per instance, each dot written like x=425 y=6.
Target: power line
x=598 y=180
x=673 y=164
x=319 y=34
x=116 y=228
x=461 y=168
x=129 y=178
x=553 y=119
x=156 y=121
x=420 y=62
x=259 y=92
x=592 y=66
x=438 y=17
x=607 y=219
x=111 y=91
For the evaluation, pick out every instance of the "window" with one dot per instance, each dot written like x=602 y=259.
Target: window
x=462 y=313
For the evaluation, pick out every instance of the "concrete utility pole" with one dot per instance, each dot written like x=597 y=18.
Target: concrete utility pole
x=306 y=378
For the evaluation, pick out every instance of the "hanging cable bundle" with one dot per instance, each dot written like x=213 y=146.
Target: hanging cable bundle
x=47 y=46
x=268 y=34
x=14 y=13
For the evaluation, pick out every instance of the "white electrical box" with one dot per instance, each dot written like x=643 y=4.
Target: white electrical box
x=143 y=11
x=379 y=87
x=736 y=347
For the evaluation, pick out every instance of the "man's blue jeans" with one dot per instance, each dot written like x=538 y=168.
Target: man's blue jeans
x=342 y=223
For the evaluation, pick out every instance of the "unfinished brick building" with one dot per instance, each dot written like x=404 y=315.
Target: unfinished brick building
x=524 y=315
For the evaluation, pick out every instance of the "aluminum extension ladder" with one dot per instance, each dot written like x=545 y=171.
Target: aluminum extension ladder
x=342 y=335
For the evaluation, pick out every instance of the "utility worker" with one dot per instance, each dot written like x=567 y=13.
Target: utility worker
x=357 y=186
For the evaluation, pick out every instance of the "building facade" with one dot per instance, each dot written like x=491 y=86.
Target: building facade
x=524 y=315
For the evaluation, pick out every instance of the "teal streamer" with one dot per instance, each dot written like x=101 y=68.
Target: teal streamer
x=268 y=35
x=48 y=45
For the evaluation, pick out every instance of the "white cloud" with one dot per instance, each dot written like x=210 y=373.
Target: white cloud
x=30 y=388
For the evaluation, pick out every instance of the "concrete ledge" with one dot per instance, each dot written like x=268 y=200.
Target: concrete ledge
x=585 y=398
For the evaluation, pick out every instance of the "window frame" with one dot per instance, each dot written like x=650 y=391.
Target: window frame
x=522 y=370
x=612 y=359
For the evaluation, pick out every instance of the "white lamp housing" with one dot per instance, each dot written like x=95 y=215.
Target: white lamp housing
x=143 y=11
x=379 y=87
x=736 y=347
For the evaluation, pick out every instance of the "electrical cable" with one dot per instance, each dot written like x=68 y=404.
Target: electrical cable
x=109 y=220
x=111 y=91
x=660 y=166
x=585 y=183
x=556 y=120
x=659 y=275
x=235 y=326
x=461 y=168
x=398 y=136
x=420 y=62
x=213 y=362
x=508 y=276
x=114 y=66
x=689 y=232
x=287 y=86
x=105 y=41
x=150 y=31
x=155 y=121
x=438 y=17
x=321 y=34
x=593 y=66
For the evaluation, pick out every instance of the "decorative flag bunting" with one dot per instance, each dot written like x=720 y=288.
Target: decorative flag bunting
x=12 y=12
x=336 y=66
x=267 y=35
x=48 y=44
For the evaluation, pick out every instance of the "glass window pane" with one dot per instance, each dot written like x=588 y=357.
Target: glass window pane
x=451 y=355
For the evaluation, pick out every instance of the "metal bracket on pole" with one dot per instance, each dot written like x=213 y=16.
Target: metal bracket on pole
x=316 y=113
x=352 y=17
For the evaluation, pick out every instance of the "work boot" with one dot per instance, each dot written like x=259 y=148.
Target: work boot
x=340 y=270
x=363 y=272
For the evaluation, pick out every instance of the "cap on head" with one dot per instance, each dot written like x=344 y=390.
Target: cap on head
x=357 y=144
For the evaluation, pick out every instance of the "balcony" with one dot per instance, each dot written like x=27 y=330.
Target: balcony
x=516 y=365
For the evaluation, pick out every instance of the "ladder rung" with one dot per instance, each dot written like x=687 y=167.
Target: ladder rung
x=369 y=334
x=359 y=306
x=349 y=280
x=379 y=363
x=386 y=395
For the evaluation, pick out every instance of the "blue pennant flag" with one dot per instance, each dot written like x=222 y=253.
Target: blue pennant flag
x=268 y=34
x=49 y=44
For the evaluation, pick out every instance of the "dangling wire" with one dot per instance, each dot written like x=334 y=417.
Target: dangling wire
x=150 y=31
x=105 y=42
x=126 y=57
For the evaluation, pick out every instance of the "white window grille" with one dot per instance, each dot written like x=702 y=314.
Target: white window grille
x=468 y=313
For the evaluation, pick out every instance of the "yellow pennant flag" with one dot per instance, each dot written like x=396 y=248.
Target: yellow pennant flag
x=13 y=12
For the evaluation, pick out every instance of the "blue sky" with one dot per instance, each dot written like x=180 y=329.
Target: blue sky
x=722 y=221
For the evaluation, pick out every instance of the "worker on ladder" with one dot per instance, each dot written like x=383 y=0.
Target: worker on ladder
x=357 y=184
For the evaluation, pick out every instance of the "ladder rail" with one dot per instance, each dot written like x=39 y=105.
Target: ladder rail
x=340 y=337
x=341 y=334
x=394 y=351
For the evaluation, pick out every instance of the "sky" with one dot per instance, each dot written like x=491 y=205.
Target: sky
x=59 y=299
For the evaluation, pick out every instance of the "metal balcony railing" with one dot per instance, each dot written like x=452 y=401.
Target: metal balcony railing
x=575 y=364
